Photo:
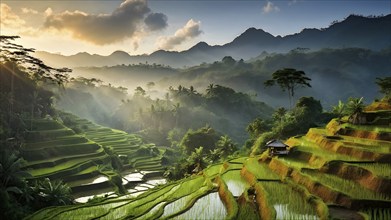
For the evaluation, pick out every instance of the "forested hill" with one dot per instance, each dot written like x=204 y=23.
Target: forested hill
x=336 y=74
x=355 y=31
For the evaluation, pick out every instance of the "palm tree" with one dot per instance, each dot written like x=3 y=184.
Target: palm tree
x=210 y=88
x=279 y=114
x=10 y=169
x=176 y=112
x=54 y=192
x=339 y=110
x=355 y=107
x=197 y=160
x=226 y=145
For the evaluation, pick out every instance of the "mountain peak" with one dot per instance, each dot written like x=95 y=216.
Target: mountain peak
x=119 y=53
x=253 y=35
x=200 y=46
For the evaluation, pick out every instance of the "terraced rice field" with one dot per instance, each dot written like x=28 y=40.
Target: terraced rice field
x=53 y=150
x=141 y=156
x=329 y=174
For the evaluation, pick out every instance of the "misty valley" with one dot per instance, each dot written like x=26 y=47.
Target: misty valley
x=198 y=133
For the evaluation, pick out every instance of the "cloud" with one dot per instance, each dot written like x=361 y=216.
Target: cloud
x=189 y=31
x=101 y=29
x=8 y=18
x=156 y=21
x=29 y=11
x=270 y=7
x=48 y=12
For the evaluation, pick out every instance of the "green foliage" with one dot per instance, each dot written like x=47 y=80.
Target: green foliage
x=378 y=213
x=52 y=193
x=257 y=127
x=116 y=162
x=259 y=144
x=385 y=86
x=38 y=70
x=197 y=160
x=307 y=113
x=339 y=110
x=10 y=169
x=174 y=136
x=226 y=146
x=289 y=79
x=205 y=137
x=354 y=109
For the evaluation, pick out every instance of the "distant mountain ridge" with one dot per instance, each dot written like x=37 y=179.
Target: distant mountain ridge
x=355 y=31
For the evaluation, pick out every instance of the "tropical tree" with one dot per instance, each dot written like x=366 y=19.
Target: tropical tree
x=279 y=114
x=226 y=146
x=257 y=127
x=355 y=107
x=289 y=79
x=210 y=88
x=52 y=193
x=385 y=86
x=339 y=109
x=10 y=169
x=205 y=137
x=197 y=160
x=38 y=70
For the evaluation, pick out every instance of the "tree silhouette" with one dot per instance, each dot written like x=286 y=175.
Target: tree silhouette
x=289 y=79
x=210 y=88
x=385 y=86
x=37 y=69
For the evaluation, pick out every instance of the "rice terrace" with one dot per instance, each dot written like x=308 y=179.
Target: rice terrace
x=142 y=109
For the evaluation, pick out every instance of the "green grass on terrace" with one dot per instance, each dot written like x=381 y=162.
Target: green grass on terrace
x=34 y=136
x=212 y=170
x=68 y=140
x=260 y=170
x=348 y=187
x=363 y=141
x=44 y=124
x=374 y=128
x=299 y=164
x=53 y=160
x=379 y=169
x=288 y=203
x=71 y=164
x=304 y=144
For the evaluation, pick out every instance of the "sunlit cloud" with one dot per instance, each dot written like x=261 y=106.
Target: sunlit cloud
x=29 y=11
x=270 y=7
x=189 y=31
x=8 y=18
x=48 y=12
x=101 y=29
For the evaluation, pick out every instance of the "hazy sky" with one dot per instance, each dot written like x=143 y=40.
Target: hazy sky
x=142 y=26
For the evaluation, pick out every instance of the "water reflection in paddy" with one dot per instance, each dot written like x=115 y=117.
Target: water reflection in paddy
x=207 y=207
x=236 y=184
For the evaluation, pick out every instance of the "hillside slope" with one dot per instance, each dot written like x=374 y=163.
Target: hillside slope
x=341 y=171
x=85 y=160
